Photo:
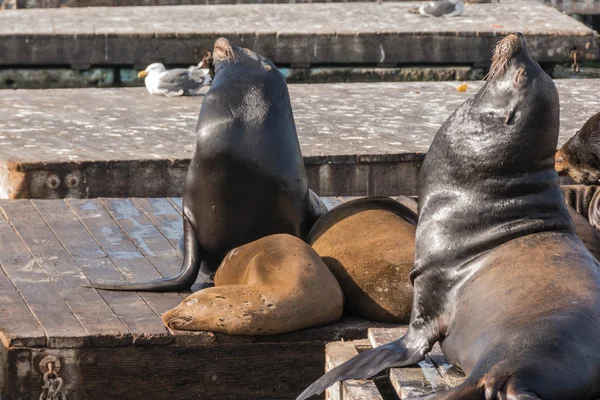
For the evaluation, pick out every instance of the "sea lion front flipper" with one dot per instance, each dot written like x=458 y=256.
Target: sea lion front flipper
x=413 y=207
x=398 y=353
x=316 y=207
x=181 y=247
x=183 y=281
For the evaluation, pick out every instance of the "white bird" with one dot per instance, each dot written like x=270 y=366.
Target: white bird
x=443 y=8
x=175 y=82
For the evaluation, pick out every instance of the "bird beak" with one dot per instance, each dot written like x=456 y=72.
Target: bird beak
x=142 y=74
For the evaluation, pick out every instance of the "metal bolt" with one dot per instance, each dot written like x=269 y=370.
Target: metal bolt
x=53 y=182
x=49 y=359
x=72 y=181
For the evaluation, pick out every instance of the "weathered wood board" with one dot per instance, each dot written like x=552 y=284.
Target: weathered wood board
x=576 y=6
x=357 y=139
x=289 y=34
x=124 y=3
x=113 y=345
x=432 y=375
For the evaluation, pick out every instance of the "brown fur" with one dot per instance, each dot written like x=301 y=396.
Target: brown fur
x=274 y=285
x=370 y=248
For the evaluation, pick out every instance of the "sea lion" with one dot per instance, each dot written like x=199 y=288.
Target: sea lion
x=276 y=284
x=247 y=178
x=369 y=245
x=588 y=234
x=501 y=280
x=580 y=156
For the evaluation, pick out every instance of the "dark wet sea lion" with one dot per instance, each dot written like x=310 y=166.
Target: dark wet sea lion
x=580 y=156
x=369 y=245
x=588 y=234
x=247 y=178
x=273 y=285
x=501 y=280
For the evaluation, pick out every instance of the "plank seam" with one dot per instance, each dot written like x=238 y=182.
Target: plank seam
x=77 y=264
x=148 y=257
x=110 y=258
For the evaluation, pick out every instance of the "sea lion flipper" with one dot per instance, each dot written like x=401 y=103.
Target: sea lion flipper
x=181 y=247
x=366 y=365
x=594 y=211
x=183 y=281
x=316 y=208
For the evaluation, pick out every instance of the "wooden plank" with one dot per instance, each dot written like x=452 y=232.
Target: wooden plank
x=379 y=153
x=177 y=202
x=131 y=309
x=52 y=312
x=146 y=236
x=18 y=326
x=164 y=216
x=585 y=7
x=126 y=3
x=411 y=381
x=87 y=305
x=335 y=33
x=452 y=375
x=336 y=354
x=122 y=251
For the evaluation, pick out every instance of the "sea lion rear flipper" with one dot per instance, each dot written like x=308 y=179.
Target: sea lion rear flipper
x=183 y=281
x=366 y=365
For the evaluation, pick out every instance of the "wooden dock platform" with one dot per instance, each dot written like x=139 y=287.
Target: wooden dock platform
x=434 y=374
x=113 y=345
x=294 y=35
x=357 y=139
x=583 y=7
x=127 y=3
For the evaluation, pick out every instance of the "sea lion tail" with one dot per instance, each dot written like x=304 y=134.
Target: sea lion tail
x=366 y=365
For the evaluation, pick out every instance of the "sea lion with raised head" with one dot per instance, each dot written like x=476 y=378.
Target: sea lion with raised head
x=369 y=245
x=274 y=285
x=501 y=280
x=247 y=178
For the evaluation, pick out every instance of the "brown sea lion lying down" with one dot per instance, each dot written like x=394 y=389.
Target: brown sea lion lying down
x=369 y=245
x=274 y=285
x=580 y=156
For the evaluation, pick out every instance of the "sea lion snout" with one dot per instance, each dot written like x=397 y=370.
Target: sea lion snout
x=174 y=319
x=560 y=163
x=506 y=51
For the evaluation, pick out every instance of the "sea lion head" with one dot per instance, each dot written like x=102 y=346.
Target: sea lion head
x=490 y=169
x=580 y=156
x=524 y=102
x=227 y=54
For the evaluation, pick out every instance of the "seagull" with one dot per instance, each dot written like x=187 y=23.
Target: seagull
x=442 y=8
x=175 y=82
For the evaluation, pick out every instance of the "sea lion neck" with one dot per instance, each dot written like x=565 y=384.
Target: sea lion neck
x=489 y=175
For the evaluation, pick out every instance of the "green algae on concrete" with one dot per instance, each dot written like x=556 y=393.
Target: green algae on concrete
x=55 y=78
